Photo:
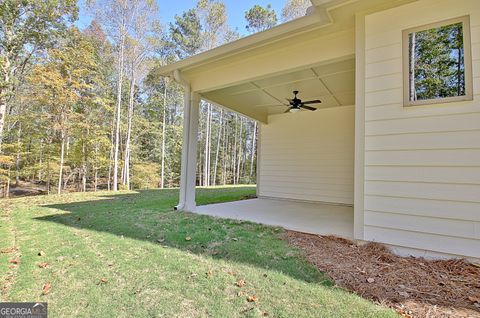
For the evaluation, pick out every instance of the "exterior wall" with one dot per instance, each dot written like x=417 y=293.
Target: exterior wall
x=308 y=156
x=422 y=163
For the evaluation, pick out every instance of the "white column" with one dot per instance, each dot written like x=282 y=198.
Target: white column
x=188 y=176
x=359 y=188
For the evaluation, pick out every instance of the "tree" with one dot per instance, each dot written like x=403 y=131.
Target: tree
x=213 y=19
x=295 y=9
x=62 y=83
x=139 y=45
x=186 y=34
x=116 y=16
x=437 y=67
x=26 y=28
x=260 y=18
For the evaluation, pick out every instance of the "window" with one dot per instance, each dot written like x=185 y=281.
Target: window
x=437 y=63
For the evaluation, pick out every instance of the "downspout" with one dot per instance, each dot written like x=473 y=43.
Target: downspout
x=177 y=76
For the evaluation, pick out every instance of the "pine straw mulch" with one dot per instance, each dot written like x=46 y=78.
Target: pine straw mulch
x=414 y=287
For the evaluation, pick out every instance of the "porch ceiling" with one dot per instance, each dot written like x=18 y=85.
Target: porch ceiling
x=332 y=83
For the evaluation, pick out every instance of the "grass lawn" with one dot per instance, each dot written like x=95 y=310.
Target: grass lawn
x=130 y=255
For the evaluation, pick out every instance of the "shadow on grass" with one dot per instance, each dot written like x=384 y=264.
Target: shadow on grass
x=148 y=215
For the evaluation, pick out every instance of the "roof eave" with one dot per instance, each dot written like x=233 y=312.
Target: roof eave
x=318 y=17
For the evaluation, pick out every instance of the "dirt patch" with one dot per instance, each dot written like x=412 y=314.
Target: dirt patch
x=414 y=287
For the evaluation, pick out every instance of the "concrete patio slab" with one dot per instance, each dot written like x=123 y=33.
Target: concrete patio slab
x=309 y=217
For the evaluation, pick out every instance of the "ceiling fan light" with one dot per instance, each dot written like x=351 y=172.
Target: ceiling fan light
x=295 y=110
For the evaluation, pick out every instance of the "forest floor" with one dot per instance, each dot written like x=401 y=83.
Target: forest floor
x=130 y=255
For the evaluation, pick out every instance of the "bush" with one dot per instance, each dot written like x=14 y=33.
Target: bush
x=145 y=176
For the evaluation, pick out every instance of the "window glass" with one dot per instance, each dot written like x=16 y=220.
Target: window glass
x=436 y=67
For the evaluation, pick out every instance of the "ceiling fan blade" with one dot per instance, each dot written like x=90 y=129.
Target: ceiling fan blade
x=317 y=101
x=308 y=107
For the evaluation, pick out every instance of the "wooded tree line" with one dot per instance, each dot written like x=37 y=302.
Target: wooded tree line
x=83 y=110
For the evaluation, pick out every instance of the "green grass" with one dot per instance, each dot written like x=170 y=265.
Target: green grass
x=138 y=244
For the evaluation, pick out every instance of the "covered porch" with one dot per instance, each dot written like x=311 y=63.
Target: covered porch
x=306 y=161
x=308 y=217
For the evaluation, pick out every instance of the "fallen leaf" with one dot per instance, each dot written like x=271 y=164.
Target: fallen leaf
x=209 y=274
x=15 y=261
x=41 y=253
x=43 y=265
x=103 y=281
x=8 y=250
x=252 y=299
x=371 y=280
x=474 y=299
x=46 y=288
x=241 y=283
x=188 y=238
x=60 y=258
x=235 y=239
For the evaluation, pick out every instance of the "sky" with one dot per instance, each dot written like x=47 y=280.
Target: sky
x=169 y=8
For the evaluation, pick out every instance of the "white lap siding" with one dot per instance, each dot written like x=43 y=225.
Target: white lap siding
x=308 y=156
x=422 y=163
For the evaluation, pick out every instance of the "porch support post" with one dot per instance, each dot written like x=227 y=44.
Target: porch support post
x=188 y=178
x=359 y=183
x=191 y=164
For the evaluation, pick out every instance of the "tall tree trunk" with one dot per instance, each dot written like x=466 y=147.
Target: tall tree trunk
x=95 y=168
x=240 y=150
x=60 y=171
x=224 y=152
x=208 y=131
x=234 y=163
x=84 y=165
x=110 y=159
x=459 y=72
x=126 y=161
x=118 y=109
x=254 y=147
x=48 y=166
x=3 y=113
x=40 y=161
x=217 y=152
x=413 y=91
x=6 y=67
x=17 y=159
x=164 y=124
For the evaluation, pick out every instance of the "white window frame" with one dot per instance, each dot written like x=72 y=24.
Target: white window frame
x=467 y=59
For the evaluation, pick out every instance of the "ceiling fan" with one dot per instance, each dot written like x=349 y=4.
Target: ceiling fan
x=296 y=104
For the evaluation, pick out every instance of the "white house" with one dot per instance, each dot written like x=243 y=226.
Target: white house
x=392 y=153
